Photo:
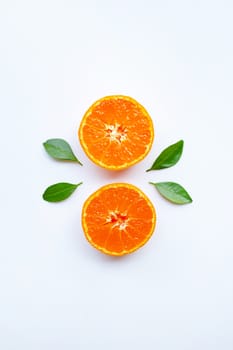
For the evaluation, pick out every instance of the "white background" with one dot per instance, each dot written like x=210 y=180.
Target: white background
x=56 y=291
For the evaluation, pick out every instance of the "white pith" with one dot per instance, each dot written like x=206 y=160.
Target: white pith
x=117 y=219
x=115 y=132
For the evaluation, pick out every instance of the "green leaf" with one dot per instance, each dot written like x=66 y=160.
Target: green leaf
x=168 y=157
x=60 y=191
x=60 y=149
x=172 y=191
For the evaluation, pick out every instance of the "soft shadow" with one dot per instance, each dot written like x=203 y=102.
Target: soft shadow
x=109 y=175
x=111 y=259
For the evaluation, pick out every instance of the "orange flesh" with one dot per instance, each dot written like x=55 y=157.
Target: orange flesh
x=118 y=219
x=116 y=132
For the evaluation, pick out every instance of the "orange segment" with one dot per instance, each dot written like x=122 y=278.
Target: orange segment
x=116 y=132
x=118 y=219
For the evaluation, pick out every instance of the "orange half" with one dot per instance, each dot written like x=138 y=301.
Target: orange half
x=116 y=132
x=118 y=219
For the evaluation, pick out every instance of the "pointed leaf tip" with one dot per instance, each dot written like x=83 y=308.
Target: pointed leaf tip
x=168 y=157
x=173 y=192
x=59 y=191
x=60 y=149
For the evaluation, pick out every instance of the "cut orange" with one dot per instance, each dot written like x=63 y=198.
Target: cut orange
x=116 y=132
x=118 y=219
